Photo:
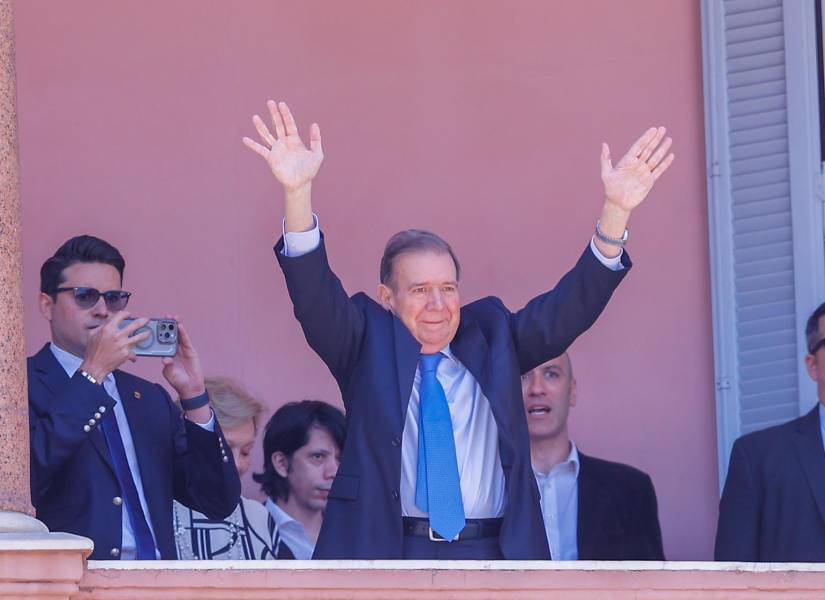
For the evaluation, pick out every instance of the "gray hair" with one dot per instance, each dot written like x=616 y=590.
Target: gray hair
x=413 y=240
x=233 y=405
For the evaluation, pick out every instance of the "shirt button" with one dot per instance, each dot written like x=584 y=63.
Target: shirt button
x=396 y=441
x=117 y=500
x=395 y=495
x=114 y=552
x=86 y=428
x=102 y=409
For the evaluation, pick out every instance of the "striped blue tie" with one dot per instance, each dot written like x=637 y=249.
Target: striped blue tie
x=437 y=489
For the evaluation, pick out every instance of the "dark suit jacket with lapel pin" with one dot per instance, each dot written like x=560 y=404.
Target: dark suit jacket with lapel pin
x=618 y=518
x=373 y=358
x=773 y=504
x=72 y=479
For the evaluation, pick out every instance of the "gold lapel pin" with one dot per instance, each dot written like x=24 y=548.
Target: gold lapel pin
x=137 y=395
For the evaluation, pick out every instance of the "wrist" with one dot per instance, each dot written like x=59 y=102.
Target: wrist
x=191 y=392
x=614 y=219
x=195 y=402
x=299 y=195
x=96 y=372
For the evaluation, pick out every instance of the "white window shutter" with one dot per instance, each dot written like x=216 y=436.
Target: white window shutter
x=764 y=208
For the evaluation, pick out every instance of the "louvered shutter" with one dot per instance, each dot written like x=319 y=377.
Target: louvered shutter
x=763 y=210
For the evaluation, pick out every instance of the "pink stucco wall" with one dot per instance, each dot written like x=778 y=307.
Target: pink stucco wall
x=480 y=120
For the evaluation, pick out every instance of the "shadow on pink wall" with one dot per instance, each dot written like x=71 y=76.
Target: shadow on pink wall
x=481 y=121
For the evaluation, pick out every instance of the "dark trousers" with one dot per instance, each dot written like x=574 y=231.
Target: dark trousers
x=421 y=548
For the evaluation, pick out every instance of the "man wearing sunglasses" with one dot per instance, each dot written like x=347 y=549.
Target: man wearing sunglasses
x=110 y=451
x=773 y=505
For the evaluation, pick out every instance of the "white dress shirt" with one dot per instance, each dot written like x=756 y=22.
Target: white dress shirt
x=128 y=549
x=559 y=491
x=291 y=531
x=475 y=429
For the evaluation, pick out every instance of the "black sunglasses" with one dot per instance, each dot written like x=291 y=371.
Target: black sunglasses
x=87 y=297
x=816 y=347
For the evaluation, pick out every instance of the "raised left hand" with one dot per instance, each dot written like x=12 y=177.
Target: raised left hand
x=183 y=372
x=628 y=183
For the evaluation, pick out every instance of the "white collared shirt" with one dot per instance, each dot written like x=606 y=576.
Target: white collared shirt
x=291 y=531
x=475 y=429
x=476 y=443
x=559 y=491
x=128 y=549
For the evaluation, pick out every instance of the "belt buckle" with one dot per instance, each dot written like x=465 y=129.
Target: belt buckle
x=435 y=537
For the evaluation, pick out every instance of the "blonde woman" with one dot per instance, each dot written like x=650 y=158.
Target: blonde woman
x=248 y=532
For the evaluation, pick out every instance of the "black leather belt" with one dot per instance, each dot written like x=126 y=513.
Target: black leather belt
x=473 y=528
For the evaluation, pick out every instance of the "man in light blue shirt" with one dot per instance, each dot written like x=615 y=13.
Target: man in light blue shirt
x=436 y=463
x=593 y=509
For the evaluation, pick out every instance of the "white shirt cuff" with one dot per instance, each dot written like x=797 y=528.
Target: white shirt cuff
x=614 y=264
x=298 y=243
x=209 y=425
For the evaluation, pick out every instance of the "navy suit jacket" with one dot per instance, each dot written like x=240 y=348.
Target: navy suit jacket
x=773 y=504
x=618 y=516
x=73 y=481
x=373 y=358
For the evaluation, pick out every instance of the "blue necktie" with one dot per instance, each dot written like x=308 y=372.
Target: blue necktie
x=131 y=502
x=437 y=489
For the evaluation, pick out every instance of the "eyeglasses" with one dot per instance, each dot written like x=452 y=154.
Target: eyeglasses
x=87 y=297
x=817 y=346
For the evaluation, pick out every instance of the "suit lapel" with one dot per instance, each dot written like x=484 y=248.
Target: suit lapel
x=808 y=441
x=407 y=350
x=595 y=509
x=54 y=378
x=471 y=348
x=137 y=411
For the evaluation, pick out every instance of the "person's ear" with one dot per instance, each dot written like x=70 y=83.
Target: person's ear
x=573 y=396
x=45 y=303
x=810 y=363
x=385 y=296
x=281 y=464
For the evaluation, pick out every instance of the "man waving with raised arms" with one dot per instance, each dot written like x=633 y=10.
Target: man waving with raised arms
x=436 y=462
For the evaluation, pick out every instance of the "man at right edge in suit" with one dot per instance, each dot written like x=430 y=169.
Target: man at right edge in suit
x=437 y=458
x=773 y=504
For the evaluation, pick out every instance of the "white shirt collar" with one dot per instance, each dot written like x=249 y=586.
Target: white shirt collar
x=282 y=518
x=446 y=351
x=572 y=460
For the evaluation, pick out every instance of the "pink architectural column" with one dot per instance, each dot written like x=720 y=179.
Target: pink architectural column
x=15 y=498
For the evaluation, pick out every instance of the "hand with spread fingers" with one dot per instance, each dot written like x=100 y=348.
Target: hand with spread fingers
x=293 y=164
x=627 y=184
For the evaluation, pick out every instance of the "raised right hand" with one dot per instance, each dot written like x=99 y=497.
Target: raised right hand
x=291 y=162
x=110 y=346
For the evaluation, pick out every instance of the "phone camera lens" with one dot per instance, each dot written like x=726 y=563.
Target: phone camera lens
x=166 y=335
x=171 y=326
x=162 y=326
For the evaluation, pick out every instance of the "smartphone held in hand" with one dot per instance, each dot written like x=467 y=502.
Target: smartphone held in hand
x=162 y=340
